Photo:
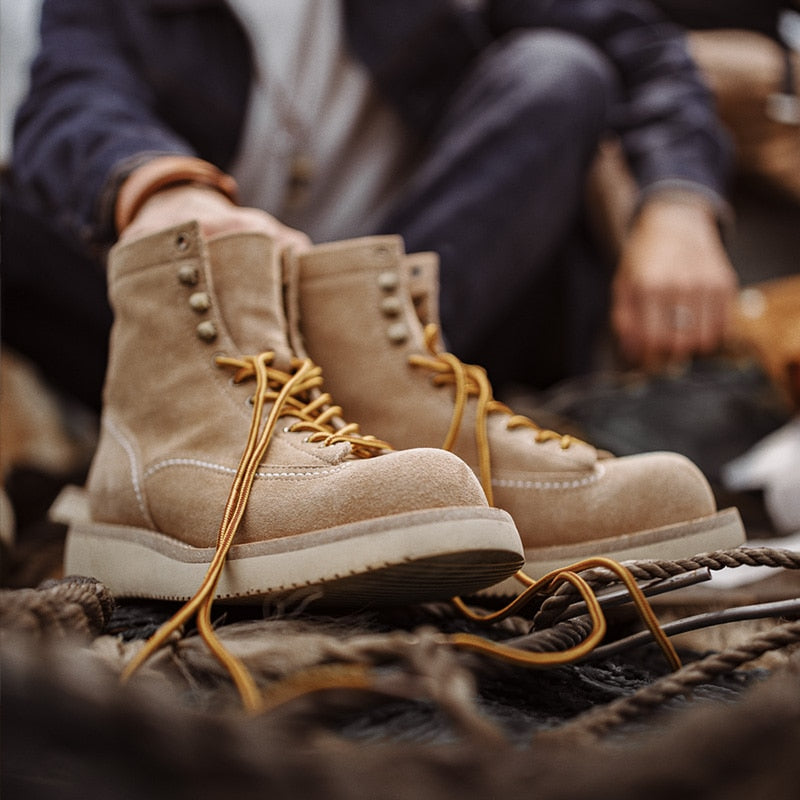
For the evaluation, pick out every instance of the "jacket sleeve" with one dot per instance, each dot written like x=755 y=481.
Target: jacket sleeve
x=667 y=120
x=89 y=117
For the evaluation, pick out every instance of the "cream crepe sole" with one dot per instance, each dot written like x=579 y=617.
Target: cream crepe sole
x=720 y=531
x=410 y=557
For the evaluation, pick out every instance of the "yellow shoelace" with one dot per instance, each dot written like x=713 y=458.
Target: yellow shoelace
x=547 y=583
x=291 y=394
x=360 y=676
x=297 y=395
x=470 y=380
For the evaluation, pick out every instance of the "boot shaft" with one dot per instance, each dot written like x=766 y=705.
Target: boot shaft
x=360 y=304
x=359 y=323
x=171 y=412
x=219 y=446
x=178 y=303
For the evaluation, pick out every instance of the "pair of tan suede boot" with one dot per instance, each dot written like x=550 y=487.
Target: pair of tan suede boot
x=220 y=443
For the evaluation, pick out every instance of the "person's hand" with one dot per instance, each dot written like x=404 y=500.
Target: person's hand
x=214 y=212
x=674 y=285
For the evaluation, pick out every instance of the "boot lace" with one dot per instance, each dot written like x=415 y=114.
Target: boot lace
x=295 y=394
x=470 y=380
x=360 y=676
x=298 y=395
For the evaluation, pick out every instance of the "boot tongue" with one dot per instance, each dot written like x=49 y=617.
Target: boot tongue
x=245 y=271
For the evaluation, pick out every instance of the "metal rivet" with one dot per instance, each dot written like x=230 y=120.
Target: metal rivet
x=200 y=301
x=182 y=242
x=207 y=331
x=397 y=333
x=391 y=306
x=188 y=275
x=388 y=281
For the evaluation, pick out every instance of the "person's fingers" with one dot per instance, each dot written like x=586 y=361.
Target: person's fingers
x=240 y=220
x=287 y=237
x=715 y=319
x=657 y=331
x=625 y=323
x=661 y=328
x=707 y=327
x=697 y=320
x=215 y=214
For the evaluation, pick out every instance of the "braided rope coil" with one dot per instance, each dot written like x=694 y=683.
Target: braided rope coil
x=70 y=606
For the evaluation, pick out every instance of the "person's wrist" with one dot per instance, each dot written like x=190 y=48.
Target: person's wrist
x=163 y=173
x=679 y=204
x=686 y=218
x=687 y=198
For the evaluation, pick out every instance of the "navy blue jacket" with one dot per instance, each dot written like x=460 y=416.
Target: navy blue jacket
x=118 y=81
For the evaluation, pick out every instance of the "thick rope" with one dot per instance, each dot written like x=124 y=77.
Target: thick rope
x=434 y=669
x=602 y=720
x=562 y=636
x=567 y=640
x=74 y=605
x=547 y=584
x=554 y=605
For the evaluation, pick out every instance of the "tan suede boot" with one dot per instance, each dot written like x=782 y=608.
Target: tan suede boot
x=309 y=510
x=360 y=304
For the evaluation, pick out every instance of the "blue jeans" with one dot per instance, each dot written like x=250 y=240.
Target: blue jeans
x=499 y=196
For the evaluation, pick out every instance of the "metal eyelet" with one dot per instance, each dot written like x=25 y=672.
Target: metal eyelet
x=207 y=331
x=397 y=333
x=188 y=276
x=200 y=302
x=391 y=306
x=182 y=242
x=388 y=281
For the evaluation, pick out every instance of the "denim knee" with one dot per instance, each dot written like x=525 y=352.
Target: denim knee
x=552 y=71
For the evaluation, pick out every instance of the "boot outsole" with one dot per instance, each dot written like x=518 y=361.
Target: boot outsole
x=411 y=557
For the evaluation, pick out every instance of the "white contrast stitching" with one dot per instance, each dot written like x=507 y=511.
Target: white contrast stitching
x=574 y=484
x=193 y=462
x=134 y=464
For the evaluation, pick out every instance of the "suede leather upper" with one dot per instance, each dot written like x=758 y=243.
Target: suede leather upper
x=358 y=320
x=175 y=423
